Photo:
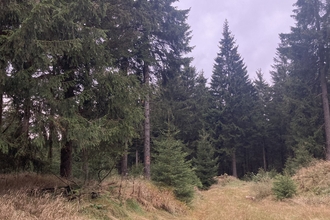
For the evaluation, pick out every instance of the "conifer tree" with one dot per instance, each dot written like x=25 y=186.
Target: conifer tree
x=295 y=116
x=183 y=99
x=261 y=117
x=170 y=167
x=205 y=163
x=163 y=38
x=305 y=50
x=232 y=98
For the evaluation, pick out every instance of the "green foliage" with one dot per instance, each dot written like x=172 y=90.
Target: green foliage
x=302 y=158
x=261 y=176
x=170 y=168
x=231 y=103
x=136 y=170
x=205 y=162
x=284 y=187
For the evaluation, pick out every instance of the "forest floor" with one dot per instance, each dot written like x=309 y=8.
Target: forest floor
x=140 y=200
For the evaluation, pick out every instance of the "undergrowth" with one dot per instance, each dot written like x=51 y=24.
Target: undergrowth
x=22 y=196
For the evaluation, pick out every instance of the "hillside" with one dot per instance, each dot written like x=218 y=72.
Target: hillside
x=140 y=200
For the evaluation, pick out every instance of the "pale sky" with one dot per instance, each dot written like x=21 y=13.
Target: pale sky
x=255 y=24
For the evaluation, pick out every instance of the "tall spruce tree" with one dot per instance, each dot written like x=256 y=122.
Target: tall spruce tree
x=305 y=48
x=232 y=100
x=62 y=88
x=163 y=40
x=183 y=99
x=261 y=117
x=300 y=87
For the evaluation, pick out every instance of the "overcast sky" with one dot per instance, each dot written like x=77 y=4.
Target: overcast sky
x=255 y=24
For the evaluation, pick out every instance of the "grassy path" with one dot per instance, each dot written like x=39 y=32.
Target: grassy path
x=229 y=202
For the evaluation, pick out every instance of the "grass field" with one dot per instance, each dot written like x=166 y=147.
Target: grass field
x=140 y=200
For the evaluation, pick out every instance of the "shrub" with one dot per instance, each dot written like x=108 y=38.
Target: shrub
x=262 y=189
x=284 y=187
x=261 y=176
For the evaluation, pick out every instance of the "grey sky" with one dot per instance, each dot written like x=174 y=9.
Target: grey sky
x=255 y=25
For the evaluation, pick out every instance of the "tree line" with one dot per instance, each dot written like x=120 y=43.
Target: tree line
x=91 y=86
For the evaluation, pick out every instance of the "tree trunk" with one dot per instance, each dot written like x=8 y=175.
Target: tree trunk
x=326 y=112
x=1 y=107
x=26 y=119
x=323 y=80
x=146 y=124
x=66 y=151
x=66 y=160
x=136 y=158
x=51 y=137
x=264 y=158
x=234 y=164
x=124 y=161
x=85 y=166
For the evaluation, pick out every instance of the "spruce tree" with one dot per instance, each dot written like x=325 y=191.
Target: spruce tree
x=205 y=163
x=232 y=99
x=306 y=49
x=162 y=40
x=171 y=169
x=303 y=52
x=261 y=117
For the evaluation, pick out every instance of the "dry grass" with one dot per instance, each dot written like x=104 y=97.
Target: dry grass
x=146 y=193
x=314 y=179
x=19 y=198
x=230 y=202
x=19 y=206
x=31 y=181
x=261 y=190
x=137 y=199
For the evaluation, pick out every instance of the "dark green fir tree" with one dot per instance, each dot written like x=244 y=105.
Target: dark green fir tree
x=170 y=167
x=205 y=162
x=232 y=100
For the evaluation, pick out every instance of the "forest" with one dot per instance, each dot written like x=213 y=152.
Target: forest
x=91 y=87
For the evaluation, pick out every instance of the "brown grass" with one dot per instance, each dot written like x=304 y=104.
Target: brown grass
x=31 y=181
x=314 y=179
x=147 y=194
x=128 y=199
x=19 y=206
x=20 y=198
x=230 y=202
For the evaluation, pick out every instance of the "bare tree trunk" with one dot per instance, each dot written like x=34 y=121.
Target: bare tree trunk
x=234 y=164
x=85 y=166
x=51 y=137
x=146 y=124
x=326 y=112
x=66 y=160
x=66 y=151
x=136 y=158
x=1 y=108
x=264 y=158
x=124 y=160
x=26 y=119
